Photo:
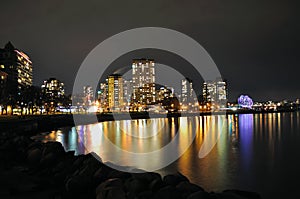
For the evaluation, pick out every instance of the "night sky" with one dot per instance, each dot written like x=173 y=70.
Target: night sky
x=254 y=43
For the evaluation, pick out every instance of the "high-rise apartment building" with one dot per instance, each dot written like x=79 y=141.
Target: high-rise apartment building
x=163 y=93
x=215 y=91
x=88 y=94
x=53 y=90
x=143 y=81
x=209 y=91
x=3 y=78
x=187 y=92
x=18 y=67
x=102 y=94
x=115 y=96
x=221 y=90
x=127 y=86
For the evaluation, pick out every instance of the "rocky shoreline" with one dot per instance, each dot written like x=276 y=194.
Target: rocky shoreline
x=31 y=169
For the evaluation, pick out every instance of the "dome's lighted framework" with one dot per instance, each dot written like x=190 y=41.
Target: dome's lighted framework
x=245 y=101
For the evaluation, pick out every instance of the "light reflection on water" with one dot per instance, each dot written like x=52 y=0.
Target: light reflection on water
x=254 y=152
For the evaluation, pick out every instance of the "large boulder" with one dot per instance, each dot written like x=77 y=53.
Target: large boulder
x=174 y=179
x=110 y=189
x=223 y=196
x=112 y=193
x=156 y=184
x=34 y=157
x=53 y=147
x=119 y=174
x=145 y=195
x=115 y=182
x=168 y=192
x=243 y=194
x=187 y=188
x=102 y=174
x=92 y=159
x=135 y=186
x=77 y=184
x=34 y=145
x=48 y=160
x=199 y=195
x=146 y=176
x=151 y=180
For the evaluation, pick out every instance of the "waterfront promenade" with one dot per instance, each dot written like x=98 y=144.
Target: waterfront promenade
x=37 y=123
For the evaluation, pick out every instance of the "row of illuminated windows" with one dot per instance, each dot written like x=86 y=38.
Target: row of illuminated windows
x=2 y=66
x=24 y=73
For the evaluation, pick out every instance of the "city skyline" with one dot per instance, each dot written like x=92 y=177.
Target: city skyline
x=254 y=45
x=233 y=97
x=142 y=81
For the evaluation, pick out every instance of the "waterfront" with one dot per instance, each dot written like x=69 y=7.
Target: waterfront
x=256 y=152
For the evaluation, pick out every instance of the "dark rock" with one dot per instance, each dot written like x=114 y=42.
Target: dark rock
x=92 y=158
x=175 y=179
x=119 y=174
x=199 y=195
x=60 y=177
x=87 y=170
x=83 y=176
x=168 y=192
x=116 y=182
x=111 y=193
x=48 y=160
x=147 y=176
x=85 y=164
x=21 y=141
x=34 y=156
x=243 y=194
x=223 y=196
x=70 y=153
x=187 y=188
x=34 y=145
x=60 y=166
x=156 y=184
x=78 y=162
x=8 y=146
x=77 y=184
x=142 y=181
x=53 y=147
x=110 y=189
x=135 y=186
x=102 y=174
x=145 y=195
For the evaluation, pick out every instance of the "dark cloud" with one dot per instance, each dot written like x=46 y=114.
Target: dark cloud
x=254 y=43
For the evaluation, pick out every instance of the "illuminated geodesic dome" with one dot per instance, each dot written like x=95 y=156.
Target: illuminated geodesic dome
x=245 y=101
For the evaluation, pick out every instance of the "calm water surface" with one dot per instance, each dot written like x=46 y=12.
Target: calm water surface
x=255 y=152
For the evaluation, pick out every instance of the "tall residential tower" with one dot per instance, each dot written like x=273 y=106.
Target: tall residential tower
x=115 y=96
x=18 y=67
x=215 y=91
x=187 y=92
x=143 y=81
